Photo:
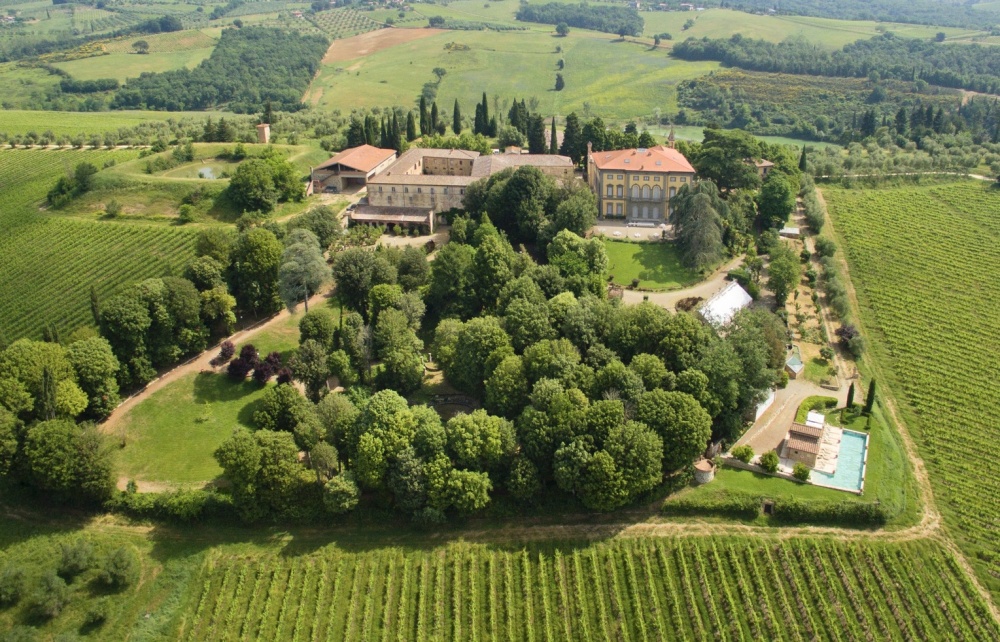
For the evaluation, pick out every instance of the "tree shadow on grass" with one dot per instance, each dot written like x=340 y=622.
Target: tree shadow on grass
x=213 y=388
x=661 y=265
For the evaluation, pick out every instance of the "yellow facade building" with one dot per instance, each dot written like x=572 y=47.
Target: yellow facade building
x=637 y=184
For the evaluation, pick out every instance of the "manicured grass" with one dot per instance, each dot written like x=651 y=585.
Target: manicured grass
x=122 y=66
x=926 y=263
x=655 y=264
x=512 y=64
x=172 y=434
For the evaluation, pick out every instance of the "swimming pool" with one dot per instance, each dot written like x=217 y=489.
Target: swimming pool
x=850 y=473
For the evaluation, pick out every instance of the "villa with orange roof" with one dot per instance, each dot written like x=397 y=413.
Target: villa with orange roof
x=637 y=184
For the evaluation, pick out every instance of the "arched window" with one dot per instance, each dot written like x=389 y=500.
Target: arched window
x=657 y=194
x=645 y=191
x=635 y=191
x=673 y=191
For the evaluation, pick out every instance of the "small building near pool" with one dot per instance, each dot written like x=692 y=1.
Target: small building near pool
x=802 y=443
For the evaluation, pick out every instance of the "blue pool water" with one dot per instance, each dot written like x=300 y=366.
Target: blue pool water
x=850 y=463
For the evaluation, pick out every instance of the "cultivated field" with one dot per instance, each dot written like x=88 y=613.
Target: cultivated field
x=646 y=589
x=49 y=263
x=122 y=66
x=926 y=262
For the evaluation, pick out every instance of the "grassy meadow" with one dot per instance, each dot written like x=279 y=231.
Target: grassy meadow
x=925 y=263
x=656 y=265
x=69 y=123
x=122 y=66
x=511 y=64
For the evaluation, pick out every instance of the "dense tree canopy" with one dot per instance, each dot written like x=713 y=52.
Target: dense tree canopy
x=247 y=68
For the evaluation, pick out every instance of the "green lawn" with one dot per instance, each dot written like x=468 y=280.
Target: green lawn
x=656 y=265
x=171 y=435
x=817 y=370
x=517 y=64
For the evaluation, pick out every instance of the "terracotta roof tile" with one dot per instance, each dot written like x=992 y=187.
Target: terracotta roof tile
x=364 y=158
x=655 y=159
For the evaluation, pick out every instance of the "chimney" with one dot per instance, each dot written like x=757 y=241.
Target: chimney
x=263 y=134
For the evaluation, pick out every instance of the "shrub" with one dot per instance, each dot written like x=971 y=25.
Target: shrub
x=851 y=513
x=800 y=471
x=185 y=214
x=340 y=495
x=12 y=581
x=121 y=568
x=782 y=382
x=239 y=369
x=76 y=558
x=226 y=352
x=98 y=613
x=735 y=505
x=744 y=453
x=50 y=597
x=825 y=247
x=826 y=352
x=112 y=208
x=769 y=461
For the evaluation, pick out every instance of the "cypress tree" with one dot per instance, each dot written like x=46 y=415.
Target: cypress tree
x=850 y=396
x=411 y=126
x=268 y=117
x=553 y=140
x=572 y=139
x=802 y=160
x=493 y=127
x=48 y=397
x=435 y=119
x=95 y=306
x=456 y=119
x=870 y=399
x=477 y=125
x=486 y=113
x=424 y=122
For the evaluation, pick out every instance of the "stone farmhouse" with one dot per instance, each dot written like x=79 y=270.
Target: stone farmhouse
x=414 y=188
x=637 y=184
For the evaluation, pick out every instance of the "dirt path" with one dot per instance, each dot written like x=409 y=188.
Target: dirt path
x=196 y=364
x=668 y=300
x=373 y=42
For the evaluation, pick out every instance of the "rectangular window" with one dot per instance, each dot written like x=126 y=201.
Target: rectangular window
x=656 y=178
x=645 y=178
x=380 y=189
x=618 y=209
x=620 y=191
x=673 y=179
x=420 y=190
x=608 y=209
x=620 y=177
x=673 y=190
x=461 y=191
x=611 y=190
x=432 y=190
x=684 y=179
x=446 y=190
x=393 y=188
x=406 y=190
